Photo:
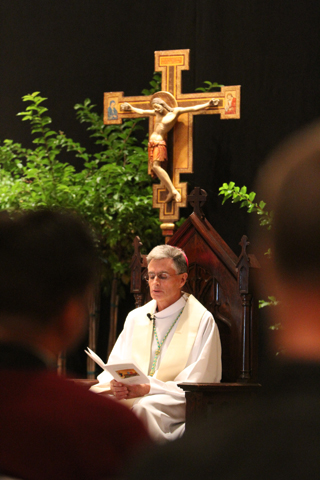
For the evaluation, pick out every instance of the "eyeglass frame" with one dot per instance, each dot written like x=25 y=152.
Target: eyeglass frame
x=148 y=279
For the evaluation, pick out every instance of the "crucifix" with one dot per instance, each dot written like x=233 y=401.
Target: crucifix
x=173 y=110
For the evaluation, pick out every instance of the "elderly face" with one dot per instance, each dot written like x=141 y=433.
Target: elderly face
x=165 y=291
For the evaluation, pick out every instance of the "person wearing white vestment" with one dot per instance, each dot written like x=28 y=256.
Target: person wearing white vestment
x=172 y=339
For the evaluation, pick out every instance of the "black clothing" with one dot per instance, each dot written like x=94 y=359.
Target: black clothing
x=15 y=356
x=278 y=437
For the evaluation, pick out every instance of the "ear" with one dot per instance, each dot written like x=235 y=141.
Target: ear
x=183 y=277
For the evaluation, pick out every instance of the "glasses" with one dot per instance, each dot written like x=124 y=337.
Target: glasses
x=163 y=276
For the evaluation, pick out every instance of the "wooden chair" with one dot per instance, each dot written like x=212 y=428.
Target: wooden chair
x=220 y=281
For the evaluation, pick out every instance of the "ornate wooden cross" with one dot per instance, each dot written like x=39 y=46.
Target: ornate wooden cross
x=171 y=63
x=197 y=199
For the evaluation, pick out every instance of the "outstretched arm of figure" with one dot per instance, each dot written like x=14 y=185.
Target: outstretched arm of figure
x=213 y=102
x=126 y=107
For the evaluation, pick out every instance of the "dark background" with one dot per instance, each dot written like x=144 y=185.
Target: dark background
x=75 y=49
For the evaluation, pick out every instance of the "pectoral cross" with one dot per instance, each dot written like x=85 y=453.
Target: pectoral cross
x=226 y=103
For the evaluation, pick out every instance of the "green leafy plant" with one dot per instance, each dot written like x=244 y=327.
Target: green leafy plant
x=111 y=188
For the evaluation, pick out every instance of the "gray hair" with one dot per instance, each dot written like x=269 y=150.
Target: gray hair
x=167 y=251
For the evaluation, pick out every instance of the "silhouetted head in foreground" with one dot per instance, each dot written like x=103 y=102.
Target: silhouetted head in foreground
x=47 y=271
x=290 y=185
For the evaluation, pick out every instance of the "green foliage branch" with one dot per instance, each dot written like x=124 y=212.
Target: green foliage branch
x=155 y=85
x=237 y=194
x=247 y=200
x=209 y=86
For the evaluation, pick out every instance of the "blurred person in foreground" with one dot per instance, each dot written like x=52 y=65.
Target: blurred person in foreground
x=50 y=427
x=172 y=339
x=277 y=436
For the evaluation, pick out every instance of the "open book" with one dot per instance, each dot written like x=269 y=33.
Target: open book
x=126 y=372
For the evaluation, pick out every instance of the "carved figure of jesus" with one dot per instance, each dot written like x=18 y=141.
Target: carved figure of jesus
x=166 y=117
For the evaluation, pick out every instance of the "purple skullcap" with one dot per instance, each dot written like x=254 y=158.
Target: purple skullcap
x=185 y=256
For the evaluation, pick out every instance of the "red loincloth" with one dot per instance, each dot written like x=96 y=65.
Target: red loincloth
x=157 y=151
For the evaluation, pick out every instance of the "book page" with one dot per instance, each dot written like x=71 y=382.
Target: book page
x=125 y=372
